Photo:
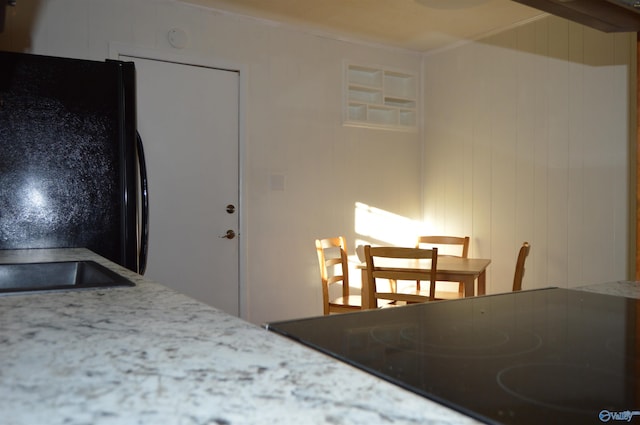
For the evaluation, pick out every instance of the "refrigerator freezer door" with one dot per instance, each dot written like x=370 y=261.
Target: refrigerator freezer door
x=68 y=155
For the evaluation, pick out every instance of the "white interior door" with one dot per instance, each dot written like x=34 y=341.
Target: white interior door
x=188 y=120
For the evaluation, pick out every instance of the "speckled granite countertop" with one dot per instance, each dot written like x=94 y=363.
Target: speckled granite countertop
x=621 y=288
x=149 y=355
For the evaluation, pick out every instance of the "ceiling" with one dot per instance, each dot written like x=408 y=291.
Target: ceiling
x=420 y=25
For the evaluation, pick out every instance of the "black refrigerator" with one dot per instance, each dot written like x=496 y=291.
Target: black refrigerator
x=72 y=170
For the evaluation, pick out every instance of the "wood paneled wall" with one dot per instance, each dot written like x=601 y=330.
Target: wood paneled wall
x=527 y=137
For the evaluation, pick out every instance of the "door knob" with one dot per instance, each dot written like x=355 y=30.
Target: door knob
x=229 y=235
x=231 y=208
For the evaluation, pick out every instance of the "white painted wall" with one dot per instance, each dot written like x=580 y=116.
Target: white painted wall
x=291 y=127
x=528 y=137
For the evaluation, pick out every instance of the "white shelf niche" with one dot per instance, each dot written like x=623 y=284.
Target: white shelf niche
x=380 y=98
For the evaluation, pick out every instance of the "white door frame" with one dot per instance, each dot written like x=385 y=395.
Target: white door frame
x=117 y=49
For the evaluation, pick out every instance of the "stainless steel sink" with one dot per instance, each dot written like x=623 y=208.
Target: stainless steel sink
x=29 y=277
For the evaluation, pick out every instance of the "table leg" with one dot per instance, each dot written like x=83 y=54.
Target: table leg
x=482 y=283
x=469 y=287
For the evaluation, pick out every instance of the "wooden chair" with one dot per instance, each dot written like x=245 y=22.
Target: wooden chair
x=442 y=241
x=332 y=252
x=519 y=274
x=376 y=269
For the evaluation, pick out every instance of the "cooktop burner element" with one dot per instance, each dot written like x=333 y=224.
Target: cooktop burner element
x=574 y=389
x=530 y=357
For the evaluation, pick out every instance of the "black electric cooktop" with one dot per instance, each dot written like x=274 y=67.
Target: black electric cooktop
x=531 y=357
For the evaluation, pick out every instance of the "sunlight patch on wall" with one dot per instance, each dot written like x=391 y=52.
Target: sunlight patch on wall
x=375 y=226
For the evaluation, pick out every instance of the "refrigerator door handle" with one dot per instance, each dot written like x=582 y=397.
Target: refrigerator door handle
x=144 y=191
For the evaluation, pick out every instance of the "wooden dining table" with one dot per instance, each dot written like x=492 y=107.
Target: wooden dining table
x=449 y=268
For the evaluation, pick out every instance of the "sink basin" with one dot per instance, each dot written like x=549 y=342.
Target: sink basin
x=29 y=277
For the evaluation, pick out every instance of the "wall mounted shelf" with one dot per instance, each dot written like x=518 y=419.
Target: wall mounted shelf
x=380 y=98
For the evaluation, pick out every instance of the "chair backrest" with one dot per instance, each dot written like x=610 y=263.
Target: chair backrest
x=436 y=241
x=460 y=243
x=406 y=269
x=332 y=252
x=519 y=274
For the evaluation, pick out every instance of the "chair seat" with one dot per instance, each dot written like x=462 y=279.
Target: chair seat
x=447 y=295
x=352 y=302
x=405 y=295
x=409 y=288
x=412 y=295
